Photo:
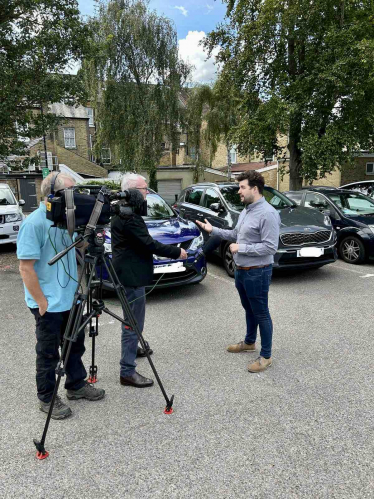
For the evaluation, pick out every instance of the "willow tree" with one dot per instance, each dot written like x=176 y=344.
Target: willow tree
x=134 y=79
x=222 y=118
x=199 y=101
x=305 y=70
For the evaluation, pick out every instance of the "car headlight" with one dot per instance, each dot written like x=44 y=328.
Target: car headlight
x=14 y=217
x=327 y=220
x=197 y=242
x=371 y=227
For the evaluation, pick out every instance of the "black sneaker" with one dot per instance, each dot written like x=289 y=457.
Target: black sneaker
x=88 y=392
x=60 y=410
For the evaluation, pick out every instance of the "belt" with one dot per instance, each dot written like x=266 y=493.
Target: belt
x=249 y=268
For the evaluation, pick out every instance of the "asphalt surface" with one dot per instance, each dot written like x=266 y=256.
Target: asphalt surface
x=302 y=429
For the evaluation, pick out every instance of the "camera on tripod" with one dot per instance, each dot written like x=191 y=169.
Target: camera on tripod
x=72 y=208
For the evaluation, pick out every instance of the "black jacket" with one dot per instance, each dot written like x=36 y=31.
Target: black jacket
x=133 y=248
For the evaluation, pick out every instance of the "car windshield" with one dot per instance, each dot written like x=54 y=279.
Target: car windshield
x=6 y=197
x=353 y=203
x=273 y=197
x=157 y=208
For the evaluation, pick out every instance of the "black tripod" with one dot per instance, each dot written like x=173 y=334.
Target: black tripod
x=77 y=321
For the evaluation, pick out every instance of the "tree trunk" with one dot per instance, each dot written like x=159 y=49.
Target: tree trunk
x=296 y=180
x=152 y=173
x=228 y=147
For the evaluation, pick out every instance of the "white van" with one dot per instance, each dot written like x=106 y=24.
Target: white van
x=11 y=215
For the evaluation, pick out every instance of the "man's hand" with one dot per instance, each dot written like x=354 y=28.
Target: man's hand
x=207 y=226
x=43 y=305
x=183 y=255
x=234 y=248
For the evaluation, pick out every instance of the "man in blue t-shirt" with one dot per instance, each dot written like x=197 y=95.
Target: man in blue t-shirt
x=49 y=293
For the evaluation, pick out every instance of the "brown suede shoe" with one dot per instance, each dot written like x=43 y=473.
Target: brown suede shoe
x=241 y=347
x=259 y=365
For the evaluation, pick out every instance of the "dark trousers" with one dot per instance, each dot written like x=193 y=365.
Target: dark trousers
x=129 y=338
x=50 y=329
x=253 y=287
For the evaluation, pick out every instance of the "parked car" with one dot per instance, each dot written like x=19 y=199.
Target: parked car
x=352 y=215
x=302 y=230
x=366 y=187
x=166 y=226
x=11 y=216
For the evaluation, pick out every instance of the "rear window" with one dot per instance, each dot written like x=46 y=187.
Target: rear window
x=294 y=196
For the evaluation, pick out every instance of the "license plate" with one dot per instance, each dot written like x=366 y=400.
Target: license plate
x=310 y=252
x=169 y=268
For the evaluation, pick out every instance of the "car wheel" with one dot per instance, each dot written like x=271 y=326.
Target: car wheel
x=228 y=260
x=351 y=250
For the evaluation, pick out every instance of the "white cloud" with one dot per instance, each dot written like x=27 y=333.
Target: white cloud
x=190 y=51
x=182 y=9
x=210 y=8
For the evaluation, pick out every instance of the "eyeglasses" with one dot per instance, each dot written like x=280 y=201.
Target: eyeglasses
x=143 y=189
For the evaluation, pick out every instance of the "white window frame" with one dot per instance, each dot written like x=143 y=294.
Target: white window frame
x=110 y=156
x=69 y=140
x=90 y=114
x=233 y=155
x=372 y=172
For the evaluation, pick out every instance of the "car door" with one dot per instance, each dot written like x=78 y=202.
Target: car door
x=213 y=209
x=191 y=205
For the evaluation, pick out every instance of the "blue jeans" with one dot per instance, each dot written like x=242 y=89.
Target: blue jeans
x=253 y=287
x=129 y=338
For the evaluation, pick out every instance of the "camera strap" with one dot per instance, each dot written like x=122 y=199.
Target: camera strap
x=70 y=211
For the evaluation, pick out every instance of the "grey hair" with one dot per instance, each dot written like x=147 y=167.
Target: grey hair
x=59 y=184
x=129 y=180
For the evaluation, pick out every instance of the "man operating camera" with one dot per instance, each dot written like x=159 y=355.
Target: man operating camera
x=133 y=249
x=49 y=293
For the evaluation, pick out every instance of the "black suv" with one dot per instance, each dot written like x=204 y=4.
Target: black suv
x=302 y=230
x=352 y=215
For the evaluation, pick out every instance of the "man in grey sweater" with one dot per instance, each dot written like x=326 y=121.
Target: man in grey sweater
x=254 y=242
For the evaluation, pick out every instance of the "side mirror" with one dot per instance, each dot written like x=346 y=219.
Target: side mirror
x=21 y=202
x=217 y=207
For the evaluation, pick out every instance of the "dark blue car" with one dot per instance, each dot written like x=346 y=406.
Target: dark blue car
x=167 y=227
x=351 y=214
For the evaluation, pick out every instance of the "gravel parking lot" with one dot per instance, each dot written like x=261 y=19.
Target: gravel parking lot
x=302 y=429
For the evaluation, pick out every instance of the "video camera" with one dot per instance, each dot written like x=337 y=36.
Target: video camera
x=72 y=208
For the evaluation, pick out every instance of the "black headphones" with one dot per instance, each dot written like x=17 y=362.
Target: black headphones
x=53 y=184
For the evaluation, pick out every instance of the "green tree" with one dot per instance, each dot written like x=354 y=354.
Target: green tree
x=222 y=118
x=134 y=80
x=38 y=40
x=306 y=71
x=199 y=101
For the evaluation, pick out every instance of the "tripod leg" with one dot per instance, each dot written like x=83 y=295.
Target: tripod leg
x=134 y=326
x=72 y=330
x=93 y=368
x=60 y=371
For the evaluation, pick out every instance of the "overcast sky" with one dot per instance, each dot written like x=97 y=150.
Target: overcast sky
x=193 y=19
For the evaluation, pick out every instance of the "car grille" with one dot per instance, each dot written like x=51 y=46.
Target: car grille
x=2 y=219
x=169 y=278
x=298 y=238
